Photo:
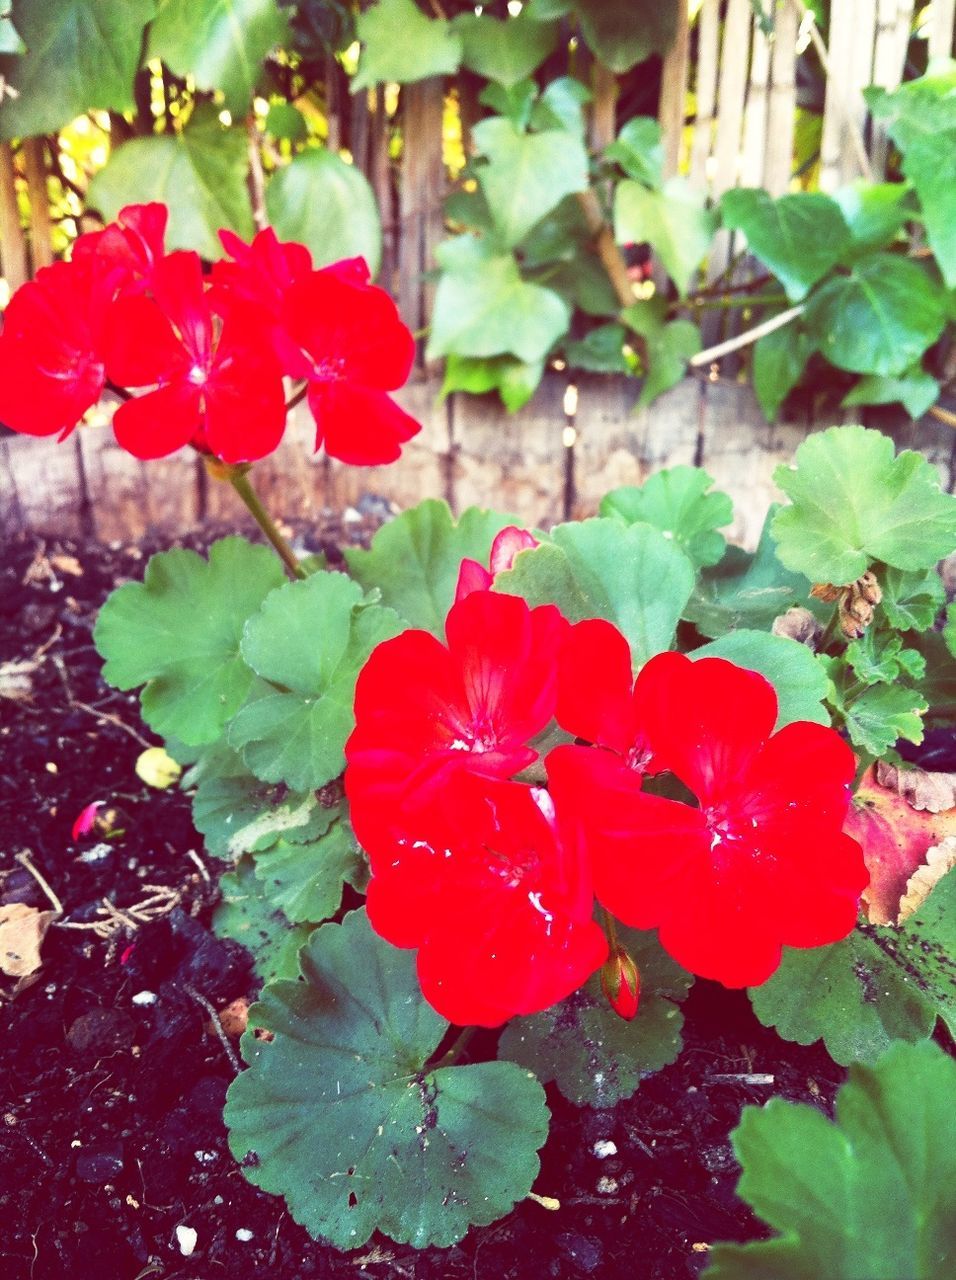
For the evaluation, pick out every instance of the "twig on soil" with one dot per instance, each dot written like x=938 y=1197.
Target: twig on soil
x=24 y=860
x=216 y=1025
x=77 y=705
x=191 y=853
x=161 y=901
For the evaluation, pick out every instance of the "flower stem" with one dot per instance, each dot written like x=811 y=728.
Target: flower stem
x=609 y=928
x=456 y=1050
x=238 y=477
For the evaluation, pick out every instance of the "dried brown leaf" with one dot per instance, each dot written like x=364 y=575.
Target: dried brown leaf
x=16 y=680
x=22 y=930
x=935 y=792
x=940 y=859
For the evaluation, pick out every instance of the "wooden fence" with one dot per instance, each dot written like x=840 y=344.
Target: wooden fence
x=554 y=458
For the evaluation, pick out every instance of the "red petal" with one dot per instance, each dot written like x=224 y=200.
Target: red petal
x=140 y=346
x=472 y=576
x=244 y=397
x=358 y=424
x=595 y=685
x=159 y=422
x=506 y=546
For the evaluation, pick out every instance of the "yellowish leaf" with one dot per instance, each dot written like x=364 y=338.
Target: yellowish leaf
x=157 y=768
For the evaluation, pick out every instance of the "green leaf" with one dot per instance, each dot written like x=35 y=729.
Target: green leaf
x=602 y=351
x=286 y=121
x=930 y=164
x=584 y=283
x=484 y=308
x=560 y=236
x=507 y=50
x=878 y=319
x=236 y=813
x=792 y=669
x=79 y=54
x=310 y=640
x=595 y=1057
x=915 y=390
x=515 y=102
x=876 y=718
x=418 y=1154
x=799 y=237
x=401 y=44
x=304 y=880
x=911 y=600
x=526 y=174
x=949 y=631
x=415 y=559
x=639 y=151
x=220 y=43
x=199 y=172
x=326 y=204
x=247 y=916
x=178 y=632
x=677 y=502
x=624 y=32
x=871 y=1196
x=673 y=220
x=600 y=568
x=925 y=947
x=10 y=41
x=668 y=346
x=879 y=657
x=561 y=106
x=874 y=212
x=515 y=381
x=779 y=360
x=853 y=502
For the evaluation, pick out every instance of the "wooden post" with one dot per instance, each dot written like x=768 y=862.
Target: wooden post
x=942 y=21
x=781 y=108
x=755 y=114
x=421 y=193
x=602 y=126
x=13 y=245
x=34 y=165
x=674 y=91
x=706 y=95
x=893 y=21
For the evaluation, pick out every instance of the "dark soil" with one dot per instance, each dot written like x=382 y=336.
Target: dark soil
x=111 y=1133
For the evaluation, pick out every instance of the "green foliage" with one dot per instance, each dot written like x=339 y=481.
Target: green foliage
x=418 y=1153
x=911 y=600
x=595 y=1057
x=400 y=43
x=600 y=568
x=178 y=632
x=304 y=879
x=915 y=390
x=639 y=151
x=799 y=237
x=78 y=54
x=779 y=360
x=321 y=201
x=673 y=220
x=879 y=714
x=667 y=346
x=247 y=915
x=792 y=669
x=678 y=502
x=561 y=105
x=514 y=380
x=415 y=559
x=236 y=813
x=309 y=642
x=199 y=172
x=286 y=121
x=622 y=33
x=10 y=41
x=853 y=502
x=504 y=50
x=600 y=351
x=871 y=1196
x=875 y=213
x=220 y=43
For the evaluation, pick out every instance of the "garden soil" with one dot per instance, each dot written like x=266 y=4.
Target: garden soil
x=113 y=1154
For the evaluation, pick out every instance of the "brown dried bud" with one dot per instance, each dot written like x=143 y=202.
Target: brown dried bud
x=826 y=592
x=869 y=588
x=798 y=624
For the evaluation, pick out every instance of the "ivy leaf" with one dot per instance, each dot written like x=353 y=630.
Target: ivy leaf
x=561 y=106
x=484 y=308
x=779 y=360
x=310 y=640
x=320 y=201
x=678 y=502
x=178 y=633
x=595 y=1057
x=871 y=1196
x=584 y=283
x=601 y=351
x=420 y=1154
x=515 y=102
x=304 y=880
x=79 y=54
x=199 y=172
x=220 y=43
x=799 y=237
x=930 y=164
x=792 y=669
x=505 y=50
x=911 y=600
x=949 y=630
x=283 y=120
x=667 y=346
x=526 y=174
x=414 y=560
x=915 y=390
x=600 y=568
x=560 y=236
x=401 y=44
x=875 y=212
x=673 y=220
x=878 y=319
x=514 y=380
x=622 y=33
x=854 y=502
x=639 y=151
x=246 y=915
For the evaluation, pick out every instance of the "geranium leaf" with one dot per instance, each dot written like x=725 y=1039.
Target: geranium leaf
x=677 y=502
x=178 y=632
x=871 y=1196
x=915 y=390
x=418 y=1153
x=220 y=43
x=622 y=33
x=415 y=559
x=595 y=1057
x=199 y=172
x=320 y=201
x=878 y=319
x=878 y=657
x=878 y=716
x=925 y=947
x=304 y=879
x=779 y=360
x=792 y=669
x=911 y=600
x=400 y=43
x=799 y=237
x=309 y=641
x=600 y=568
x=79 y=54
x=526 y=174
x=246 y=914
x=238 y=813
x=673 y=220
x=505 y=50
x=853 y=502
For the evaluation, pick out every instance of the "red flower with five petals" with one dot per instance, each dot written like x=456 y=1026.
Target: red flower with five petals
x=127 y=249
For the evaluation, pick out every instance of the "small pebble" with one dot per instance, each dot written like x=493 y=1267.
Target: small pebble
x=607 y=1186
x=145 y=997
x=205 y=1157
x=605 y=1148
x=244 y=1234
x=97 y=853
x=186 y=1238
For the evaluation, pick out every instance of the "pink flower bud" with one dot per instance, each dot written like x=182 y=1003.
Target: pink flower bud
x=621 y=983
x=86 y=819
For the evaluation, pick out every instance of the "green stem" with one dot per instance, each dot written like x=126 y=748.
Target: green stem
x=456 y=1050
x=830 y=631
x=238 y=477
x=610 y=928
x=738 y=301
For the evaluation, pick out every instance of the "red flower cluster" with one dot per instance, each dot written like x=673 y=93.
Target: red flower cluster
x=492 y=878
x=208 y=353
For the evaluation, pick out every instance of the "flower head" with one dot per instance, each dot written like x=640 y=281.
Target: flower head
x=473 y=576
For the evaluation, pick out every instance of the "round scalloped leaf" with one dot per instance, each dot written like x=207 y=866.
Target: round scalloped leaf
x=337 y=1114
x=853 y=502
x=247 y=916
x=595 y=1057
x=792 y=669
x=178 y=631
x=911 y=601
x=310 y=640
x=304 y=879
x=415 y=559
x=677 y=502
x=869 y=1197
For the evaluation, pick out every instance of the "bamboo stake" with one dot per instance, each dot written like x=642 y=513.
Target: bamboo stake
x=755 y=113
x=13 y=244
x=781 y=109
x=838 y=121
x=732 y=90
x=674 y=91
x=942 y=21
x=706 y=84
x=893 y=21
x=34 y=165
x=745 y=339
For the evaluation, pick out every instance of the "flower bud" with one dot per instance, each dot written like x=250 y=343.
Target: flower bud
x=621 y=983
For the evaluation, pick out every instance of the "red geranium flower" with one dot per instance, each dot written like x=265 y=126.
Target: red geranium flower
x=495 y=893
x=218 y=389
x=353 y=349
x=425 y=712
x=128 y=248
x=761 y=863
x=473 y=576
